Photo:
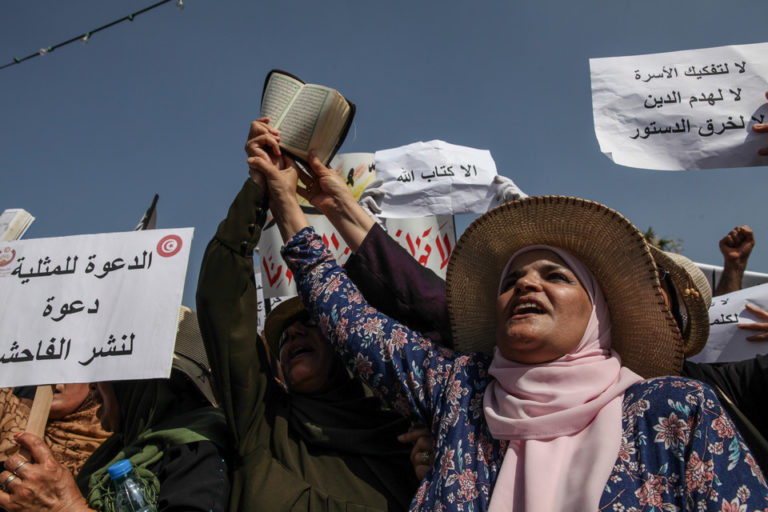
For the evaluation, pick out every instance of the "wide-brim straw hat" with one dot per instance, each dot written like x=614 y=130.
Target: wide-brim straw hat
x=693 y=290
x=279 y=319
x=643 y=330
x=189 y=355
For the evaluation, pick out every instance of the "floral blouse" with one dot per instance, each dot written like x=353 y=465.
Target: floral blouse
x=679 y=450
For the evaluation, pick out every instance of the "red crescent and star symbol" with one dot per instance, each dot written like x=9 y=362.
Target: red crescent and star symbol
x=169 y=246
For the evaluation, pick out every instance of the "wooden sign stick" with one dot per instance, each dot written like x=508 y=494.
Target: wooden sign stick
x=38 y=415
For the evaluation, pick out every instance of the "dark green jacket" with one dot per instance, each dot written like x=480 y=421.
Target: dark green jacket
x=275 y=469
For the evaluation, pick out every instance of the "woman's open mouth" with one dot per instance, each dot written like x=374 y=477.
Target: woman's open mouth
x=300 y=350
x=527 y=307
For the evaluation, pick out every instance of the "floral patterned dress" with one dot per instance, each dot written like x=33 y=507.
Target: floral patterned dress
x=679 y=450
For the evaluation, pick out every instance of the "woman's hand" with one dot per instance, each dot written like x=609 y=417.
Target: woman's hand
x=40 y=484
x=266 y=138
x=423 y=453
x=280 y=176
x=761 y=128
x=265 y=161
x=737 y=245
x=757 y=326
x=325 y=189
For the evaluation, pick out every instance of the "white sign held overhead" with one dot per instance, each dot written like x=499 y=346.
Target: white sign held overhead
x=726 y=341
x=435 y=178
x=357 y=170
x=430 y=240
x=91 y=308
x=682 y=110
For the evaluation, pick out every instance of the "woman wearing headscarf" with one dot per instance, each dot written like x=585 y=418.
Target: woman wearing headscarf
x=556 y=304
x=315 y=439
x=398 y=286
x=392 y=281
x=174 y=437
x=73 y=431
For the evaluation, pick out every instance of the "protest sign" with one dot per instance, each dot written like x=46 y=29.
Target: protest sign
x=264 y=305
x=277 y=279
x=261 y=315
x=430 y=240
x=91 y=308
x=435 y=178
x=357 y=170
x=726 y=341
x=682 y=110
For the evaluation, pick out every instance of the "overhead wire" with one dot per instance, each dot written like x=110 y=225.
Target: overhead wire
x=85 y=36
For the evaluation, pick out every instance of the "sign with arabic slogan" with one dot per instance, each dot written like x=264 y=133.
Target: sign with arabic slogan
x=90 y=308
x=726 y=341
x=692 y=109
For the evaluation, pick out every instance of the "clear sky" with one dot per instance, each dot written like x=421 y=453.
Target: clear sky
x=162 y=105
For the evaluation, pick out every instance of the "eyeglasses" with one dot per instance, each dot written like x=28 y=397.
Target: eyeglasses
x=663 y=273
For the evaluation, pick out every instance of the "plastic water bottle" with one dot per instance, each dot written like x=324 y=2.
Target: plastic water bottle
x=128 y=489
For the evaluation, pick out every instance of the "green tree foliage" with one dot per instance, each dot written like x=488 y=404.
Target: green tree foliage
x=663 y=243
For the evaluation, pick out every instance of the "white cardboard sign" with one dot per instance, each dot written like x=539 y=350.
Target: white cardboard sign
x=435 y=178
x=726 y=341
x=682 y=110
x=430 y=240
x=91 y=308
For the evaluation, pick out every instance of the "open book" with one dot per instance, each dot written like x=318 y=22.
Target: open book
x=309 y=116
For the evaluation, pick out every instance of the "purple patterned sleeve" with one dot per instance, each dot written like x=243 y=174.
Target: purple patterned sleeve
x=403 y=367
x=681 y=450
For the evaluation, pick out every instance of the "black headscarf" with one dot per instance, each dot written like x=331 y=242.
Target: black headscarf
x=154 y=415
x=349 y=420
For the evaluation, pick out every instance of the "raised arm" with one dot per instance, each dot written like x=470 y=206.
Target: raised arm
x=328 y=192
x=320 y=186
x=404 y=368
x=227 y=301
x=736 y=247
x=396 y=284
x=390 y=279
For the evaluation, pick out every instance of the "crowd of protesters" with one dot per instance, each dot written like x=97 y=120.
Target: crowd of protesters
x=548 y=371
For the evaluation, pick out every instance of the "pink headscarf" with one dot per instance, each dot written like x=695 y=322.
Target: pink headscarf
x=562 y=418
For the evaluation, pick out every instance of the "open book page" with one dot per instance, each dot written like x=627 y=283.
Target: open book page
x=336 y=114
x=278 y=94
x=301 y=121
x=308 y=116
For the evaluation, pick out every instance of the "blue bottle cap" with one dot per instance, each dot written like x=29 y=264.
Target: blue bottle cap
x=119 y=469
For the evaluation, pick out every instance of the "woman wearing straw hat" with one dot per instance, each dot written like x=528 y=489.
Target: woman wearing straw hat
x=556 y=306
x=394 y=283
